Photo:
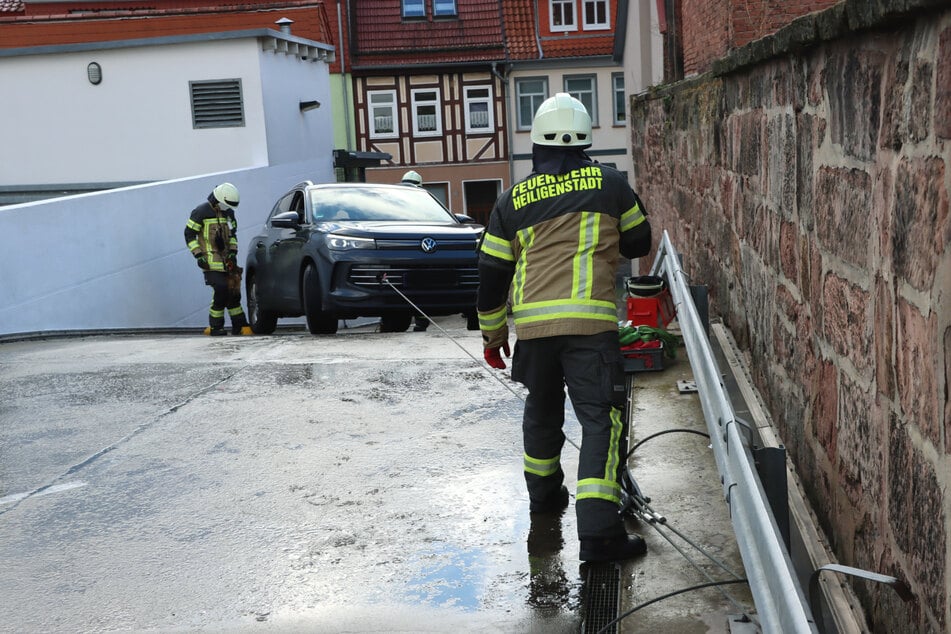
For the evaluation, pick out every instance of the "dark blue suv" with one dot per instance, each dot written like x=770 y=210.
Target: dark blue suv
x=344 y=250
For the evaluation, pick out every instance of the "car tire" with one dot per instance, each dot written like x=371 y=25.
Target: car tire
x=398 y=322
x=263 y=322
x=319 y=322
x=472 y=321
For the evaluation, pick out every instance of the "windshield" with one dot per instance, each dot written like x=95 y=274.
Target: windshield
x=397 y=203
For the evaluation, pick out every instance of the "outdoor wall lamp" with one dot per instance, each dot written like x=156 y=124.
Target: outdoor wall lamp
x=309 y=105
x=94 y=73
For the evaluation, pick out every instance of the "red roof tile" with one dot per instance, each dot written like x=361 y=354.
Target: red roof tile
x=520 y=32
x=381 y=37
x=310 y=22
x=578 y=45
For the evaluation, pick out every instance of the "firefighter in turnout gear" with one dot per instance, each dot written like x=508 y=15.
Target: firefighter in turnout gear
x=210 y=234
x=551 y=247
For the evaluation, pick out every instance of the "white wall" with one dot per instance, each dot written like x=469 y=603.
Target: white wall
x=293 y=135
x=643 y=50
x=136 y=125
x=643 y=55
x=117 y=259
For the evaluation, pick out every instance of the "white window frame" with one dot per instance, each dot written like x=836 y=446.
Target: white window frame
x=604 y=5
x=567 y=11
x=617 y=91
x=536 y=100
x=445 y=8
x=413 y=9
x=591 y=103
x=489 y=102
x=417 y=102
x=372 y=116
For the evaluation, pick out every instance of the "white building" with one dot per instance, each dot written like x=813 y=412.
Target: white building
x=163 y=119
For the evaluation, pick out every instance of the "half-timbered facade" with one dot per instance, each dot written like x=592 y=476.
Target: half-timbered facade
x=449 y=87
x=427 y=91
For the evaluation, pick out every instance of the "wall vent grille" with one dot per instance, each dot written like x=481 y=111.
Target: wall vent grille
x=217 y=104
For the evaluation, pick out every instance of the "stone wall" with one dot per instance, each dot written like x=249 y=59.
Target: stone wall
x=806 y=181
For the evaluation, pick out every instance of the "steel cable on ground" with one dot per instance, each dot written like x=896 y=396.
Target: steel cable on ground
x=484 y=367
x=645 y=512
x=481 y=363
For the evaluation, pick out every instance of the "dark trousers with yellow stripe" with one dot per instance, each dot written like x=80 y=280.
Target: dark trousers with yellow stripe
x=224 y=298
x=592 y=368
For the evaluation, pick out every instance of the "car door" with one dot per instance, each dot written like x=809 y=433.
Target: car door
x=285 y=253
x=269 y=276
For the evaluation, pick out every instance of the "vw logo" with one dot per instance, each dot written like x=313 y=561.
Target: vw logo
x=428 y=245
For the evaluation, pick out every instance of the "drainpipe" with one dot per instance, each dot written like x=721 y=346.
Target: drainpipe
x=343 y=77
x=538 y=39
x=507 y=93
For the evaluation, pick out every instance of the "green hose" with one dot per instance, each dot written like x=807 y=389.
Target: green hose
x=630 y=334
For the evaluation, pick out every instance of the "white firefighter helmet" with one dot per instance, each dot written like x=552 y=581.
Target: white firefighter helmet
x=226 y=195
x=562 y=121
x=413 y=178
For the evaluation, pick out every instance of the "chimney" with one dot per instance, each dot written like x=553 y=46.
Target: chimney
x=285 y=24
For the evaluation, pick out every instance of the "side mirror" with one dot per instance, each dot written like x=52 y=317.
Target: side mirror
x=286 y=220
x=464 y=219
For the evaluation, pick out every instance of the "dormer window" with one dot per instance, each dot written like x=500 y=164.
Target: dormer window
x=440 y=8
x=414 y=8
x=596 y=15
x=562 y=15
x=444 y=8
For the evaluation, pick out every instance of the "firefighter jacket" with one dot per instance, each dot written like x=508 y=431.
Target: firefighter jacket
x=212 y=233
x=553 y=242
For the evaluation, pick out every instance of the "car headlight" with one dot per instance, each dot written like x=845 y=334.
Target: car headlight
x=344 y=243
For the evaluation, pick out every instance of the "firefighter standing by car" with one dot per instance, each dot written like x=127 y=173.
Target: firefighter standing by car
x=553 y=241
x=211 y=236
x=413 y=179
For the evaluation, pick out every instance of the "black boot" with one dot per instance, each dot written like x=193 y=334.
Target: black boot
x=613 y=548
x=553 y=504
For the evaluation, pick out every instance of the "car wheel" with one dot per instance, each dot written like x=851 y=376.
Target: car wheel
x=395 y=323
x=472 y=321
x=263 y=322
x=319 y=322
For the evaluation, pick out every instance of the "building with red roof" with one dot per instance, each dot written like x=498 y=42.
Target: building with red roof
x=444 y=87
x=449 y=87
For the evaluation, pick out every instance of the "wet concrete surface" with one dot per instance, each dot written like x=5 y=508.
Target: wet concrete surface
x=362 y=482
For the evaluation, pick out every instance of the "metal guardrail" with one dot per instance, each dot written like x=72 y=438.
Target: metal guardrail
x=781 y=604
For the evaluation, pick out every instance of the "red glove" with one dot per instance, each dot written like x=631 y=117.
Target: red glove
x=494 y=359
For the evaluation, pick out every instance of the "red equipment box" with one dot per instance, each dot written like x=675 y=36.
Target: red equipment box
x=643 y=356
x=656 y=311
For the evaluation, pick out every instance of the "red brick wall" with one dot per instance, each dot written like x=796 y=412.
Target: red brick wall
x=706 y=32
x=711 y=28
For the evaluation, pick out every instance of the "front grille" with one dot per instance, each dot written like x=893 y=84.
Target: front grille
x=442 y=244
x=414 y=277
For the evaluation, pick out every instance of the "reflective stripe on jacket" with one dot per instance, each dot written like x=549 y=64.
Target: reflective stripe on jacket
x=213 y=234
x=557 y=239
